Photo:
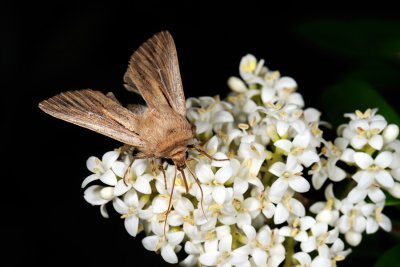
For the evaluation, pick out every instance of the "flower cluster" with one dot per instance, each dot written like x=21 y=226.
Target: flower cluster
x=256 y=207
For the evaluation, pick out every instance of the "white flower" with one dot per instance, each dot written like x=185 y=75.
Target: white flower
x=99 y=195
x=136 y=177
x=327 y=212
x=101 y=169
x=352 y=223
x=375 y=218
x=289 y=175
x=130 y=209
x=167 y=243
x=238 y=211
x=249 y=69
x=329 y=256
x=265 y=246
x=207 y=113
x=223 y=255
x=373 y=169
x=287 y=206
x=213 y=183
x=363 y=131
x=253 y=155
x=299 y=149
x=298 y=227
x=319 y=238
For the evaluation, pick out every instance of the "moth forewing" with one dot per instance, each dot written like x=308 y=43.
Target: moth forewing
x=159 y=130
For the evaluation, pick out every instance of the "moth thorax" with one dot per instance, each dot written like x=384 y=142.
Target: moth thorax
x=179 y=159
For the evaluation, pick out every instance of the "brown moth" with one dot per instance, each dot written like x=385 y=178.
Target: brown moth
x=158 y=130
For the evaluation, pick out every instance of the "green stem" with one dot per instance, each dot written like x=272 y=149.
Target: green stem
x=289 y=246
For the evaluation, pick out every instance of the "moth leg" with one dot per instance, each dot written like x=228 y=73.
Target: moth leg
x=199 y=149
x=170 y=202
x=131 y=160
x=185 y=181
x=201 y=190
x=161 y=168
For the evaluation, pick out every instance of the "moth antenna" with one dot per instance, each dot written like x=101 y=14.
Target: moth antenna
x=203 y=152
x=170 y=202
x=201 y=190
x=184 y=180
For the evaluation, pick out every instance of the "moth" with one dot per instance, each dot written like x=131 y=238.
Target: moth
x=157 y=130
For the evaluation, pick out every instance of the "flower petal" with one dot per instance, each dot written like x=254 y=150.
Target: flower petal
x=299 y=184
x=168 y=254
x=160 y=204
x=358 y=141
x=320 y=262
x=131 y=198
x=284 y=144
x=219 y=194
x=225 y=243
x=109 y=178
x=363 y=160
x=175 y=238
x=384 y=179
x=150 y=242
x=278 y=188
x=384 y=159
x=260 y=257
x=308 y=157
x=376 y=142
x=222 y=116
x=121 y=188
x=92 y=195
x=303 y=258
x=281 y=214
x=142 y=184
x=89 y=179
x=204 y=173
x=223 y=174
x=278 y=168
x=109 y=158
x=132 y=225
x=119 y=168
x=120 y=206
x=209 y=258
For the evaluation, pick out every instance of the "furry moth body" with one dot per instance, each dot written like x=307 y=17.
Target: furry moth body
x=158 y=130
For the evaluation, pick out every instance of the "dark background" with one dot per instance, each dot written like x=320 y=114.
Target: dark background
x=47 y=49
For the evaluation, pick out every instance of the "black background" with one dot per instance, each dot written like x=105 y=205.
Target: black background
x=49 y=48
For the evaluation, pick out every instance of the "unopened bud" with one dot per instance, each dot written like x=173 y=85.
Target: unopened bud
x=107 y=193
x=236 y=84
x=353 y=238
x=390 y=133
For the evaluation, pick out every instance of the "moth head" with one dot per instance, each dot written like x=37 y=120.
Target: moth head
x=179 y=158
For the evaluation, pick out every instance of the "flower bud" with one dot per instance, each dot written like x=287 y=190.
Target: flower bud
x=236 y=84
x=390 y=133
x=286 y=83
x=325 y=216
x=395 y=190
x=353 y=238
x=107 y=193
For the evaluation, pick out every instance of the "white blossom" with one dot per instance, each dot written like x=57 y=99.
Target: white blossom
x=244 y=197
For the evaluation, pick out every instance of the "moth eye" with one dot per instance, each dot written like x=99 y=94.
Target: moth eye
x=169 y=161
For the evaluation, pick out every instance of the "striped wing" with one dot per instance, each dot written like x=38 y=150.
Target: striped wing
x=95 y=111
x=153 y=72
